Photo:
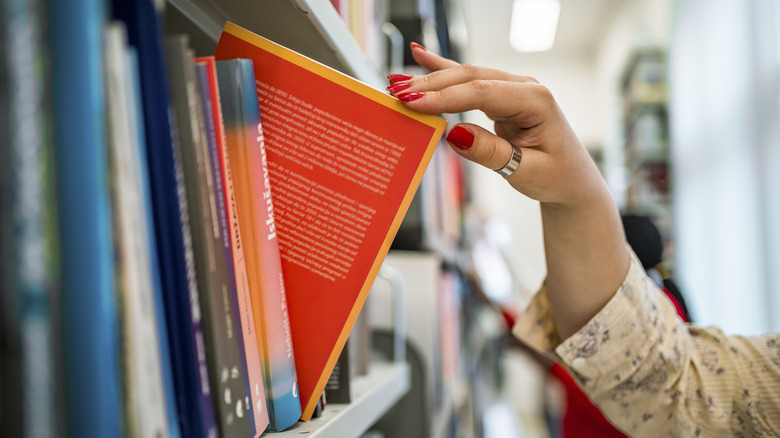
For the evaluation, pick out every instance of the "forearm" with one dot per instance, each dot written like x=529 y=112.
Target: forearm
x=587 y=258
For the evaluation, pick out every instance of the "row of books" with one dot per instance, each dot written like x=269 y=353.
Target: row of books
x=171 y=265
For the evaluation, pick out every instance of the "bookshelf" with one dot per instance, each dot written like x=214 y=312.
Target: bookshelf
x=373 y=395
x=310 y=27
x=644 y=91
x=315 y=29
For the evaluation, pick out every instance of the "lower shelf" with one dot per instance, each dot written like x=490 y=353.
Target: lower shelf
x=373 y=395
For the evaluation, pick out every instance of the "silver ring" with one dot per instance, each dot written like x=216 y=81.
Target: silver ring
x=512 y=164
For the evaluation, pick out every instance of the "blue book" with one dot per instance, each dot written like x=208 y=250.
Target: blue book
x=171 y=225
x=159 y=306
x=90 y=335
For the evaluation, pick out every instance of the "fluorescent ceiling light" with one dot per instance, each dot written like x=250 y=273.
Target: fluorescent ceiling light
x=533 y=25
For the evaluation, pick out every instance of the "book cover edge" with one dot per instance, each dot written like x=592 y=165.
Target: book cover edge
x=331 y=74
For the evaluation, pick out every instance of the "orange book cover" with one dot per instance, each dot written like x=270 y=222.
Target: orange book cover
x=344 y=160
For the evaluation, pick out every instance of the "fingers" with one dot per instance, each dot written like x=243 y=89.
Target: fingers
x=525 y=103
x=446 y=71
x=429 y=60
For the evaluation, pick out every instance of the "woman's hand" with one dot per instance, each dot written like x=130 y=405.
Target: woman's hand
x=585 y=248
x=555 y=167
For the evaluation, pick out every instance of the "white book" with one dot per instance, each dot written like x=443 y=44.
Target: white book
x=145 y=404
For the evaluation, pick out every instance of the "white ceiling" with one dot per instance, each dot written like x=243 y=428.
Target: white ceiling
x=579 y=28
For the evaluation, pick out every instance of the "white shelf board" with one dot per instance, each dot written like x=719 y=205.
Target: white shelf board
x=373 y=395
x=310 y=27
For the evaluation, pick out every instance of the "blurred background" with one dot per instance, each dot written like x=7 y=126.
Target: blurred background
x=678 y=103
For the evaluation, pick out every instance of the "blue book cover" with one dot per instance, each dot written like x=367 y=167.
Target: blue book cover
x=159 y=306
x=171 y=225
x=90 y=328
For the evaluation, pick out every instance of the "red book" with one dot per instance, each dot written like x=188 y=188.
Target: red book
x=344 y=162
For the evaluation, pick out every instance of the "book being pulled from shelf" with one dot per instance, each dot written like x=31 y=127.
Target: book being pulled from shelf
x=343 y=161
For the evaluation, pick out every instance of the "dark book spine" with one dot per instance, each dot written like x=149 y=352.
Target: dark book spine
x=10 y=363
x=232 y=312
x=221 y=344
x=337 y=389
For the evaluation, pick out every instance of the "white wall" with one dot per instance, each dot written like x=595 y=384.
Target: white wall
x=724 y=110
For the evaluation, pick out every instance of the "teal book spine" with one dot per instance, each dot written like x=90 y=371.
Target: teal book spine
x=90 y=333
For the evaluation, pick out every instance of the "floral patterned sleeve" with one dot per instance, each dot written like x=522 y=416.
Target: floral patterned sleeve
x=652 y=375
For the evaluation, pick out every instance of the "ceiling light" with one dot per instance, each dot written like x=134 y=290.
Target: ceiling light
x=533 y=25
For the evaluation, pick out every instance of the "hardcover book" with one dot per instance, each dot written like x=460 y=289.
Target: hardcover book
x=240 y=298
x=344 y=161
x=254 y=207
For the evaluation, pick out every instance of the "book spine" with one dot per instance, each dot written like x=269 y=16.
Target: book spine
x=145 y=412
x=221 y=343
x=157 y=304
x=10 y=348
x=29 y=352
x=88 y=307
x=255 y=213
x=194 y=411
x=203 y=398
x=280 y=359
x=234 y=253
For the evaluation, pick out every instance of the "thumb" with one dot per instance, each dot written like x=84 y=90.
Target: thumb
x=479 y=145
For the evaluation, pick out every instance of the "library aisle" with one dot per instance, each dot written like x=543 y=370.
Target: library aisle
x=140 y=200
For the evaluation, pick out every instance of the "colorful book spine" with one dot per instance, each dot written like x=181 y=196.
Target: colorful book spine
x=229 y=392
x=144 y=400
x=233 y=250
x=243 y=131
x=194 y=409
x=88 y=306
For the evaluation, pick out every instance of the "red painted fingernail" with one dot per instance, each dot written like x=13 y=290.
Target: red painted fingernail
x=401 y=86
x=417 y=46
x=408 y=97
x=398 y=78
x=461 y=138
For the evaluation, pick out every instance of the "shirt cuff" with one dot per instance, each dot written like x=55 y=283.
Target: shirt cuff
x=589 y=353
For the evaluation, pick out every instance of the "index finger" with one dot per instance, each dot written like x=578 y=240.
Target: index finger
x=526 y=103
x=429 y=60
